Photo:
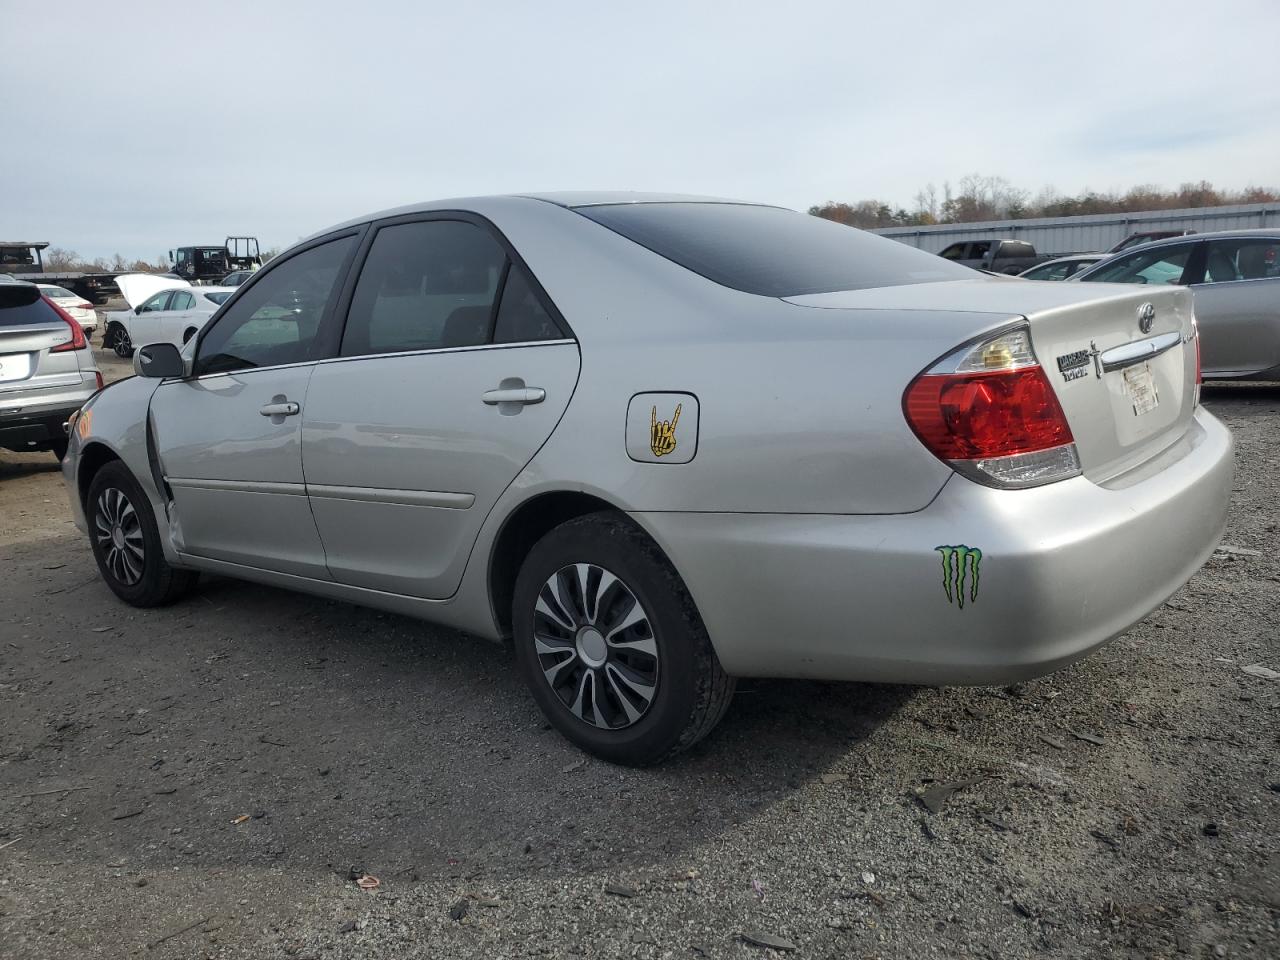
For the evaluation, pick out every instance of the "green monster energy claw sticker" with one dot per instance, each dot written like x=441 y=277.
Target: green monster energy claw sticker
x=960 y=566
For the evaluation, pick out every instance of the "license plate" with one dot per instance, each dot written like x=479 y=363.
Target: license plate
x=1140 y=387
x=14 y=366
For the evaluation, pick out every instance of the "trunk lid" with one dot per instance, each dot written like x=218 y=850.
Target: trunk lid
x=1128 y=393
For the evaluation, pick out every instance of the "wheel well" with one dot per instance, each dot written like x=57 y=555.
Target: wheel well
x=92 y=459
x=524 y=528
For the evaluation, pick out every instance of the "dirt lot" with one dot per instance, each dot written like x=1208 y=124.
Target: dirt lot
x=204 y=780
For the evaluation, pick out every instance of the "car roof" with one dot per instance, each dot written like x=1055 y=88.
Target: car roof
x=1211 y=235
x=569 y=199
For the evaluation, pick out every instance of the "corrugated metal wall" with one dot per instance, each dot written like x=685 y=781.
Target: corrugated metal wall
x=1094 y=232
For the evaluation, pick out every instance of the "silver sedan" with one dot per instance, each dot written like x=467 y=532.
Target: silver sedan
x=661 y=443
x=1235 y=277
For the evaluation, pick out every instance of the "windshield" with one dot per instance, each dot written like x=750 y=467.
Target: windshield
x=770 y=251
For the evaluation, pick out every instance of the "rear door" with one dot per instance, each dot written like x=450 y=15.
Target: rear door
x=454 y=370
x=1238 y=306
x=229 y=437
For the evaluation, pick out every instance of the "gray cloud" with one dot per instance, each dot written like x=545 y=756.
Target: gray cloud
x=149 y=125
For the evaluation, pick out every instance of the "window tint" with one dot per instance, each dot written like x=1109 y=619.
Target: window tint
x=521 y=315
x=156 y=303
x=1242 y=258
x=424 y=286
x=277 y=319
x=182 y=301
x=1159 y=265
x=20 y=304
x=770 y=251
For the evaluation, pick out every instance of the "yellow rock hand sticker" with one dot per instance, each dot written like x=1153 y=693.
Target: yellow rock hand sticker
x=651 y=438
x=662 y=433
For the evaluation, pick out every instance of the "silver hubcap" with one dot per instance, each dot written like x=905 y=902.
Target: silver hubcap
x=119 y=536
x=595 y=646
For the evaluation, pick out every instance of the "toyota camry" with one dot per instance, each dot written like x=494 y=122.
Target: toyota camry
x=661 y=443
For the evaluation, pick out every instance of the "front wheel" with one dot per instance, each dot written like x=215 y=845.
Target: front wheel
x=611 y=645
x=126 y=541
x=121 y=343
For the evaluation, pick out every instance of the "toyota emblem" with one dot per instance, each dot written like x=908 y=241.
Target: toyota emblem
x=1146 y=317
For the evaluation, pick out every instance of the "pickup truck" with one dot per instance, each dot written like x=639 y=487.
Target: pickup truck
x=22 y=260
x=994 y=256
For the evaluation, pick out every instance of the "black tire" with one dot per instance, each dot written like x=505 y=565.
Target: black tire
x=691 y=689
x=187 y=335
x=156 y=583
x=120 y=342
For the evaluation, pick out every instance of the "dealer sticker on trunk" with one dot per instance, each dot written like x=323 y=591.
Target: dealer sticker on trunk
x=1140 y=386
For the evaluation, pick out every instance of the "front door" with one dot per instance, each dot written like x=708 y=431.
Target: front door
x=229 y=436
x=454 y=370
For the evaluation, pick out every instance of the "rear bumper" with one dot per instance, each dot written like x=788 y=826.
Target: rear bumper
x=33 y=423
x=1063 y=568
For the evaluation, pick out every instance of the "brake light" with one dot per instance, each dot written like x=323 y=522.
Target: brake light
x=77 y=341
x=989 y=410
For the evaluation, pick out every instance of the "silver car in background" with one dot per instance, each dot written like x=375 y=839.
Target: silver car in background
x=665 y=442
x=1062 y=268
x=1235 y=277
x=46 y=370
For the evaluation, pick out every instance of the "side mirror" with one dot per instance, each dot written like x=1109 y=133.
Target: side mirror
x=158 y=361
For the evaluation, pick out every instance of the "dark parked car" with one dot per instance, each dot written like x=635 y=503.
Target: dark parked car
x=995 y=256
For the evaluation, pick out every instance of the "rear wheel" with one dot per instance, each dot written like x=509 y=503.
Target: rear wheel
x=611 y=645
x=126 y=541
x=188 y=334
x=58 y=448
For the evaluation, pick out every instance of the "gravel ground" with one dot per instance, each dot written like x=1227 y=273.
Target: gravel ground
x=205 y=781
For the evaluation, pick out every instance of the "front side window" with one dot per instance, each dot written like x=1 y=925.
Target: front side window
x=156 y=303
x=182 y=301
x=1242 y=258
x=425 y=285
x=278 y=318
x=1158 y=265
x=1048 y=271
x=770 y=251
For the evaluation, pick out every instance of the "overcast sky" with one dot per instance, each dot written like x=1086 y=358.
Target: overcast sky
x=137 y=127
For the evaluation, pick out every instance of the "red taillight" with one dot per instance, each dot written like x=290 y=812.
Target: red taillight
x=77 y=341
x=990 y=411
x=973 y=416
x=98 y=376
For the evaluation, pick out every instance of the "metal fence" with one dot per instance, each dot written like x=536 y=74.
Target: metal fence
x=1057 y=235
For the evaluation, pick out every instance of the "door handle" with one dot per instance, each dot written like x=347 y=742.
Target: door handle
x=522 y=395
x=286 y=409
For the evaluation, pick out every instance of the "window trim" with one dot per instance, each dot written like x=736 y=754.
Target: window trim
x=342 y=308
x=325 y=344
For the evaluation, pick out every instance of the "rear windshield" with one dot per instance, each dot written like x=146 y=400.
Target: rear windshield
x=58 y=293
x=20 y=304
x=770 y=251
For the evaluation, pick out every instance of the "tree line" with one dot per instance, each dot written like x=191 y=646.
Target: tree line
x=978 y=197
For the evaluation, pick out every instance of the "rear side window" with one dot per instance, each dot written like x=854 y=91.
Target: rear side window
x=424 y=286
x=182 y=301
x=20 y=305
x=770 y=251
x=218 y=298
x=1016 y=248
x=521 y=317
x=1242 y=258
